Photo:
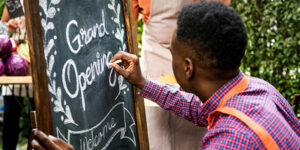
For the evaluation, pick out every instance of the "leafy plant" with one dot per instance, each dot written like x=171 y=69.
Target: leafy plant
x=140 y=29
x=2 y=4
x=24 y=121
x=274 y=42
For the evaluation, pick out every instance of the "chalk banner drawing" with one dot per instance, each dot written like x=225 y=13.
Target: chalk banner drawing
x=92 y=107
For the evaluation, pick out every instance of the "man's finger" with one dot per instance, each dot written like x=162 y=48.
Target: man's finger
x=119 y=70
x=118 y=55
x=122 y=55
x=61 y=143
x=43 y=139
x=36 y=146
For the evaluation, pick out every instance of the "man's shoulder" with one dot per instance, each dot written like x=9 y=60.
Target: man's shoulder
x=258 y=83
x=262 y=89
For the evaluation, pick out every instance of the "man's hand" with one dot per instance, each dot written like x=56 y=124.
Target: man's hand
x=44 y=142
x=13 y=24
x=132 y=71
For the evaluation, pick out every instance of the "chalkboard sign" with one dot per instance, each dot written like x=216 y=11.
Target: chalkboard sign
x=91 y=106
x=14 y=8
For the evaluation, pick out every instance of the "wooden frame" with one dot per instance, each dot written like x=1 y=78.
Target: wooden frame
x=40 y=82
x=38 y=65
x=131 y=28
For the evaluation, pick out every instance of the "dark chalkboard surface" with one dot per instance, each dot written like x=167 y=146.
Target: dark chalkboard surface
x=15 y=8
x=91 y=106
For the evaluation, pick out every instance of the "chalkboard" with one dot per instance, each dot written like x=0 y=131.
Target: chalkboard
x=14 y=8
x=91 y=106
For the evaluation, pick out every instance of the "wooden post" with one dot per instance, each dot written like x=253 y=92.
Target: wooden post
x=131 y=28
x=38 y=65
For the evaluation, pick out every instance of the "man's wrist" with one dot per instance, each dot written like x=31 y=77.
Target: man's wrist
x=141 y=83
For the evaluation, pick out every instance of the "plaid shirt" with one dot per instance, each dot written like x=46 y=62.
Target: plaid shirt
x=260 y=101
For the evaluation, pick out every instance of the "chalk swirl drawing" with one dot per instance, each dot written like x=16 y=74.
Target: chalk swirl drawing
x=60 y=105
x=120 y=35
x=120 y=32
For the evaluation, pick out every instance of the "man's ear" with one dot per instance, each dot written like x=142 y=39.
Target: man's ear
x=188 y=68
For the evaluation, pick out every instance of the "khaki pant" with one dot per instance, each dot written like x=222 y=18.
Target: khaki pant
x=167 y=131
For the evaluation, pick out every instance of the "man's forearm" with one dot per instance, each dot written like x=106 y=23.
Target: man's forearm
x=170 y=97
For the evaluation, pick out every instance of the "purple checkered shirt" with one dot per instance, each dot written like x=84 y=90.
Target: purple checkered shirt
x=260 y=101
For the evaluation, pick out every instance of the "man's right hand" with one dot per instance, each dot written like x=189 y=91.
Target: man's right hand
x=44 y=142
x=131 y=71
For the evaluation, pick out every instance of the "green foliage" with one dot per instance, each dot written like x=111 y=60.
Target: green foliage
x=139 y=34
x=2 y=3
x=24 y=121
x=274 y=42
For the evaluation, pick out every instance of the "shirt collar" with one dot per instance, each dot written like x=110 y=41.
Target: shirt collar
x=212 y=103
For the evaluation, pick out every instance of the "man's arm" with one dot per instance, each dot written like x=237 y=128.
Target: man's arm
x=12 y=24
x=171 y=97
x=5 y=16
x=182 y=103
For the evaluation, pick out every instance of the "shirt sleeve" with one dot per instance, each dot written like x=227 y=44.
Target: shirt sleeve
x=141 y=7
x=136 y=8
x=225 y=138
x=171 y=97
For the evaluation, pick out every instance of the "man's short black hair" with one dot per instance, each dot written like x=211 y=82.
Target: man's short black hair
x=215 y=32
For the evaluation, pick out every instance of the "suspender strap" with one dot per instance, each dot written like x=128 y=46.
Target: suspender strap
x=259 y=130
x=241 y=86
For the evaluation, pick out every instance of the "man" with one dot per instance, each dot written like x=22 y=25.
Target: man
x=159 y=18
x=241 y=112
x=206 y=52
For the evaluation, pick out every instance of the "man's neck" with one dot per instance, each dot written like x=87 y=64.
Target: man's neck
x=205 y=87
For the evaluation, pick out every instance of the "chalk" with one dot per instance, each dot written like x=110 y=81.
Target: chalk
x=115 y=62
x=33 y=120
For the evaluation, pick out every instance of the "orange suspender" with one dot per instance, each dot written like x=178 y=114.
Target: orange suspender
x=262 y=133
x=241 y=86
x=259 y=130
